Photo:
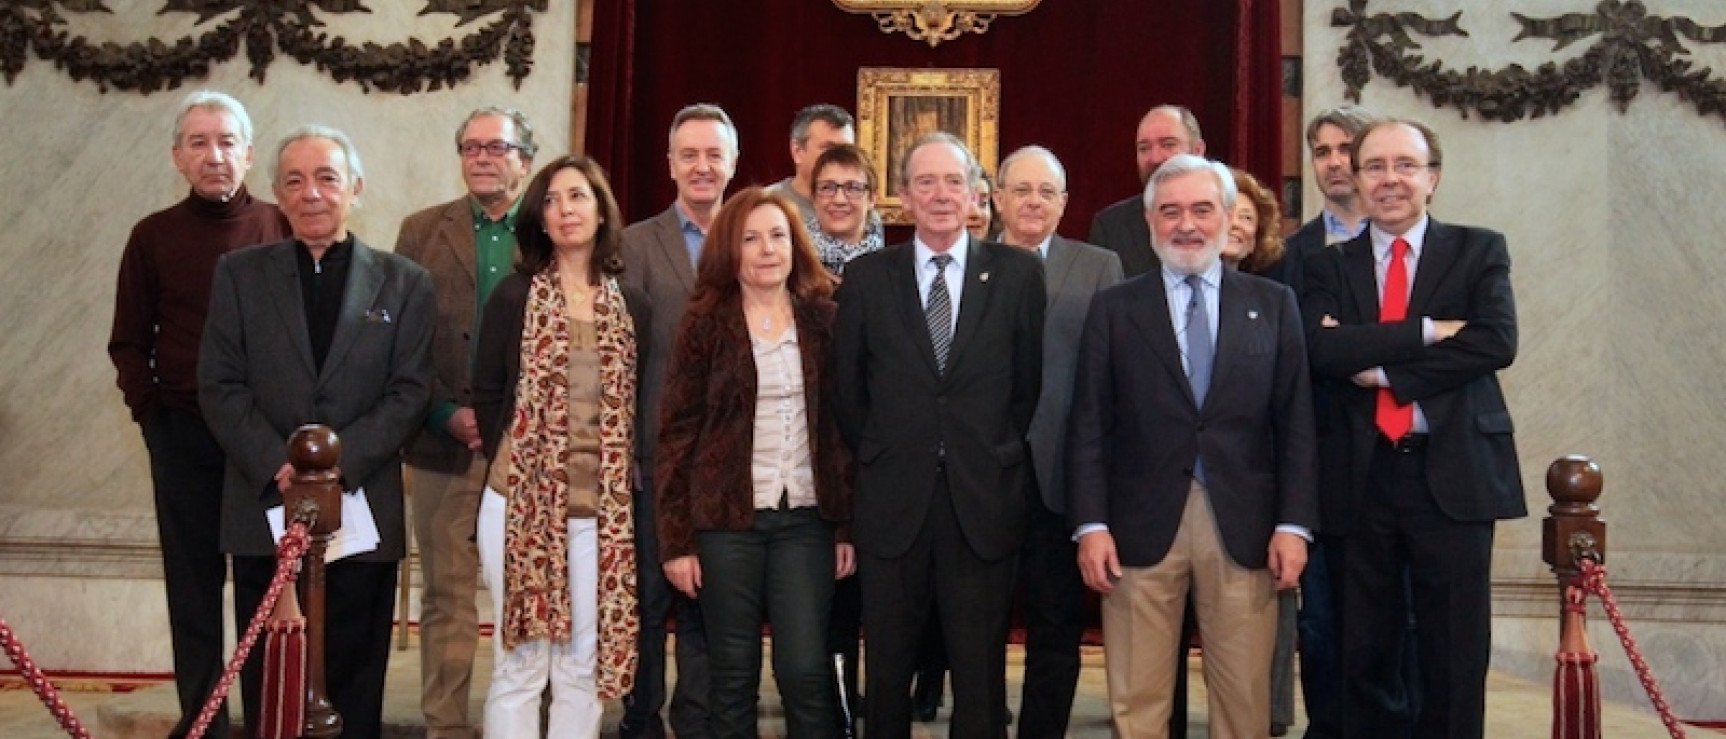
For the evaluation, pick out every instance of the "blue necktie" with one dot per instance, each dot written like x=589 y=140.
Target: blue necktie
x=1201 y=352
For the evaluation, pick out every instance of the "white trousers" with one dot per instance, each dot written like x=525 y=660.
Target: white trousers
x=520 y=675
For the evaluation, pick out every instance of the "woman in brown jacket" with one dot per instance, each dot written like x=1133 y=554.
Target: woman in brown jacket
x=753 y=493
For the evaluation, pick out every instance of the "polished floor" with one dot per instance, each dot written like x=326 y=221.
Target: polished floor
x=1517 y=709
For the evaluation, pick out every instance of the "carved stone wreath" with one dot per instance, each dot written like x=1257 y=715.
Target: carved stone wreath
x=1631 y=46
x=263 y=27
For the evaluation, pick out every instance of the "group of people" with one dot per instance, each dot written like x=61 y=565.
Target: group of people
x=747 y=410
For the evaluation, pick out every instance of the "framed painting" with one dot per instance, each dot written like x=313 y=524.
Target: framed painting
x=896 y=105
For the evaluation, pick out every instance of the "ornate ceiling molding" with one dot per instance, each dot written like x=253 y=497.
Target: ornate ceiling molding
x=934 y=21
x=1630 y=46
x=262 y=28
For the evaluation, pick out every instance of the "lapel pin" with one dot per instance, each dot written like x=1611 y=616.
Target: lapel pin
x=1252 y=315
x=378 y=315
x=983 y=277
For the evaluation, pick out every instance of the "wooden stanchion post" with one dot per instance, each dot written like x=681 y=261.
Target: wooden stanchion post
x=315 y=452
x=1573 y=531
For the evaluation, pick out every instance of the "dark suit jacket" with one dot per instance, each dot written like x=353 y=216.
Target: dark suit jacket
x=898 y=412
x=1074 y=271
x=657 y=264
x=1121 y=228
x=440 y=239
x=1464 y=273
x=706 y=440
x=257 y=382
x=1136 y=431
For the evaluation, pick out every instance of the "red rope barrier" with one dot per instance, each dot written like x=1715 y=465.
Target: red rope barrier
x=1593 y=581
x=293 y=546
x=288 y=553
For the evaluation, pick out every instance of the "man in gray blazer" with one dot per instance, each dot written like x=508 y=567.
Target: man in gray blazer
x=319 y=328
x=468 y=246
x=659 y=256
x=1031 y=198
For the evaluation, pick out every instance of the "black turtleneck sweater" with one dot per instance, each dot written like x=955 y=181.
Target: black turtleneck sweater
x=164 y=294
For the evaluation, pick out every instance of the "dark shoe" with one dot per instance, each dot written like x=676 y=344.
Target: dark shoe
x=1279 y=729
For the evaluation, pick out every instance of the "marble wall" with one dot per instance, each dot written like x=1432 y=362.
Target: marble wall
x=77 y=169
x=1613 y=221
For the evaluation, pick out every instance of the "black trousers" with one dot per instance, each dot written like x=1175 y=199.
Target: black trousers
x=1054 y=599
x=658 y=601
x=1448 y=564
x=781 y=572
x=971 y=596
x=186 y=467
x=360 y=598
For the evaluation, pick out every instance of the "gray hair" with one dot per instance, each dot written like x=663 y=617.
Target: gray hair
x=213 y=101
x=703 y=112
x=523 y=129
x=356 y=170
x=1185 y=164
x=973 y=170
x=1188 y=120
x=1352 y=119
x=1031 y=151
x=829 y=114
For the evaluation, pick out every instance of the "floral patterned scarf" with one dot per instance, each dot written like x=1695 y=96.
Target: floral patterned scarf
x=536 y=538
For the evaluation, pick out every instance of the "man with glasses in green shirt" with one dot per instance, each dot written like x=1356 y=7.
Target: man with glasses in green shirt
x=468 y=245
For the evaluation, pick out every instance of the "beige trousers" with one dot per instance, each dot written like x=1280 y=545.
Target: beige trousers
x=445 y=507
x=1237 y=612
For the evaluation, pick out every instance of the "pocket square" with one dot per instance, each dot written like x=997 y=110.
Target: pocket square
x=378 y=315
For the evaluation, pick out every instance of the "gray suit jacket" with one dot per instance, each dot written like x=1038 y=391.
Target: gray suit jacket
x=440 y=239
x=257 y=382
x=1074 y=272
x=657 y=263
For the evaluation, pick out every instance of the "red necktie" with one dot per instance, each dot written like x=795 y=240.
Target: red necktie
x=1394 y=420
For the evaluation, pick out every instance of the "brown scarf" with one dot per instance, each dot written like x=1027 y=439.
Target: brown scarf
x=536 y=539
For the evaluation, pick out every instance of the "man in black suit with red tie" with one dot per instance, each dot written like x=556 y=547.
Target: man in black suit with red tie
x=938 y=359
x=1414 y=318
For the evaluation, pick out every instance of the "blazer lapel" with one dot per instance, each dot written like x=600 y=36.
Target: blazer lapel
x=456 y=233
x=973 y=300
x=1151 y=314
x=364 y=282
x=1234 y=305
x=1357 y=264
x=1057 y=266
x=1436 y=257
x=905 y=277
x=673 y=250
x=284 y=286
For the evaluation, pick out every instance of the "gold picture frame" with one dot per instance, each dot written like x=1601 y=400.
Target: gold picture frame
x=896 y=105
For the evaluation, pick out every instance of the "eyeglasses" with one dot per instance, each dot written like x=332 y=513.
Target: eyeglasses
x=1377 y=168
x=471 y=149
x=1048 y=193
x=853 y=189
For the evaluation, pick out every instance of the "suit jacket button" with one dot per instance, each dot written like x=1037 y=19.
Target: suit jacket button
x=465 y=336
x=1201 y=426
x=1188 y=471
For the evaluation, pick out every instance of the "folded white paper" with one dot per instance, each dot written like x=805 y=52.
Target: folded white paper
x=358 y=534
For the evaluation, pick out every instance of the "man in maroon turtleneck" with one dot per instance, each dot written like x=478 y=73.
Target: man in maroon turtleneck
x=159 y=308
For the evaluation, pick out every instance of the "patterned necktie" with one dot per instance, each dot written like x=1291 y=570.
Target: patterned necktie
x=1201 y=349
x=1394 y=420
x=939 y=311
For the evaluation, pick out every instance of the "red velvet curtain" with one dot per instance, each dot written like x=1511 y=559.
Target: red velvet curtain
x=1076 y=75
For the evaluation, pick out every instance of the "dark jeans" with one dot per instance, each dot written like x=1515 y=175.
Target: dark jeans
x=360 y=607
x=186 y=470
x=780 y=571
x=658 y=599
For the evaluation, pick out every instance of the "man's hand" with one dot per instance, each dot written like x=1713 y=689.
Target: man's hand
x=1366 y=378
x=1447 y=329
x=284 y=477
x=844 y=560
x=1287 y=558
x=1328 y=321
x=685 y=574
x=464 y=427
x=1098 y=563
